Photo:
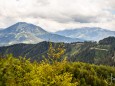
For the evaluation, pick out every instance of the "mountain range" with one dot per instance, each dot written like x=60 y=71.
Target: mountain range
x=87 y=33
x=23 y=32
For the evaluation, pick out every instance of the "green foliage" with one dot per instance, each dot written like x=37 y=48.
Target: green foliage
x=55 y=72
x=107 y=41
x=89 y=52
x=22 y=72
x=55 y=52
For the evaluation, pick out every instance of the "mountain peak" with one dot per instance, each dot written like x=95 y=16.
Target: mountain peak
x=25 y=27
x=25 y=23
x=23 y=32
x=22 y=23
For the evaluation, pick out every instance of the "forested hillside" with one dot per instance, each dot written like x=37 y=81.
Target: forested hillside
x=90 y=52
x=55 y=70
x=22 y=72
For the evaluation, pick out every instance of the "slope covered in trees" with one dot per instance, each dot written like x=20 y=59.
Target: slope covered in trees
x=22 y=72
x=90 y=52
x=55 y=70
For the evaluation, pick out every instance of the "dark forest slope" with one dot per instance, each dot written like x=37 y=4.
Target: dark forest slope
x=91 y=52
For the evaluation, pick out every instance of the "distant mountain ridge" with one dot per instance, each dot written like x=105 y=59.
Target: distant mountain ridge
x=23 y=32
x=87 y=33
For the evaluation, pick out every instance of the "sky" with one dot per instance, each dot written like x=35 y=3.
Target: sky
x=54 y=15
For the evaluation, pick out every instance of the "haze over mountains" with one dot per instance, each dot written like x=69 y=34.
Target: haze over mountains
x=22 y=32
x=87 y=33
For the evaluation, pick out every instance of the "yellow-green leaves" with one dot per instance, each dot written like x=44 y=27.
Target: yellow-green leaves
x=55 y=52
x=22 y=72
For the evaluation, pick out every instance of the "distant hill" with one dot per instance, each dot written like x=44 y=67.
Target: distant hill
x=23 y=32
x=108 y=41
x=87 y=33
x=90 y=52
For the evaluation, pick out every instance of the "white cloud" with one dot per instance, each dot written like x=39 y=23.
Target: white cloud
x=54 y=15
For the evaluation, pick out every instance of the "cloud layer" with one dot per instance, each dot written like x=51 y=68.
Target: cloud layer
x=54 y=15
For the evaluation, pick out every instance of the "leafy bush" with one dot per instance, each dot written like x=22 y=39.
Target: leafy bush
x=22 y=72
